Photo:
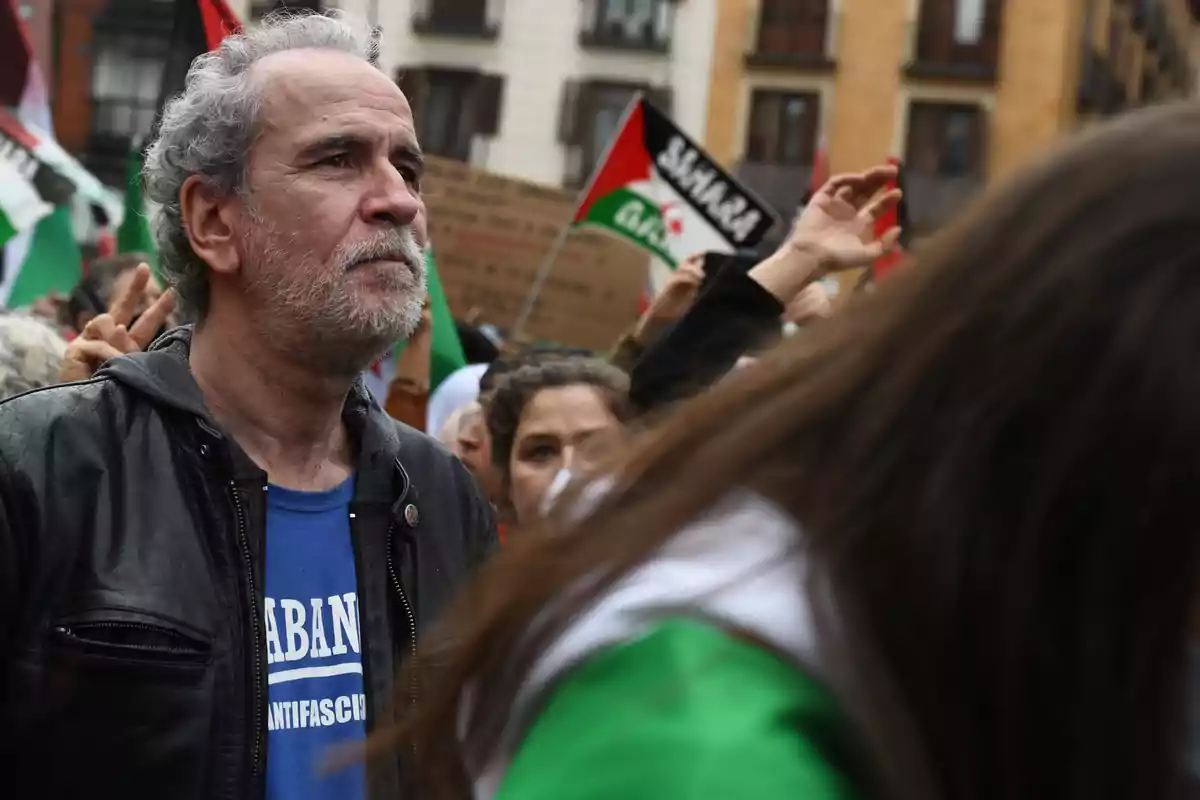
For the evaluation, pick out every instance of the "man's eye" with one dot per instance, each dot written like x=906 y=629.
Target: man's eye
x=338 y=160
x=411 y=176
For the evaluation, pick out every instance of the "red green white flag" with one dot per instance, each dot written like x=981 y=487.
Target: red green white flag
x=661 y=191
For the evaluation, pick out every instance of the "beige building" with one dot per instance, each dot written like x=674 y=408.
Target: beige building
x=960 y=90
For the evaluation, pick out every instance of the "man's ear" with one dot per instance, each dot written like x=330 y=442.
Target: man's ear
x=209 y=221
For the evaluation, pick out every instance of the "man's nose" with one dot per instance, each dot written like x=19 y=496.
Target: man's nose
x=568 y=457
x=391 y=200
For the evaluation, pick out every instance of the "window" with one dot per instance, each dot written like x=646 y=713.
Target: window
x=445 y=128
x=608 y=104
x=452 y=107
x=126 y=77
x=945 y=161
x=968 y=21
x=783 y=128
x=945 y=140
x=455 y=17
x=635 y=24
x=590 y=116
x=793 y=27
x=958 y=38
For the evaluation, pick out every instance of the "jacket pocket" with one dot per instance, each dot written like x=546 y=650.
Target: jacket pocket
x=130 y=645
x=132 y=701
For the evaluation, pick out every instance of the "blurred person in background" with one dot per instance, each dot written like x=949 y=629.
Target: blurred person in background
x=478 y=345
x=465 y=435
x=215 y=554
x=30 y=354
x=672 y=302
x=407 y=398
x=474 y=430
x=106 y=280
x=812 y=304
x=135 y=314
x=550 y=420
x=739 y=310
x=458 y=390
x=942 y=548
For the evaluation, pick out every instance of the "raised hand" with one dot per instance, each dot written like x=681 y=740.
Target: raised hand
x=674 y=299
x=839 y=222
x=115 y=332
x=811 y=304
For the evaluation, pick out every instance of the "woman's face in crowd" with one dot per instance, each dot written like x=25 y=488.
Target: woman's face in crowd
x=561 y=428
x=472 y=444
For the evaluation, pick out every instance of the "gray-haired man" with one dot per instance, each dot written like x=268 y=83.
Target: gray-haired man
x=215 y=555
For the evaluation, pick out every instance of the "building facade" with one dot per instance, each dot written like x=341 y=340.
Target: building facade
x=536 y=89
x=960 y=90
x=528 y=88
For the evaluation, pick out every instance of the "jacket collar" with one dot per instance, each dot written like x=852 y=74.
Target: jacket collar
x=162 y=374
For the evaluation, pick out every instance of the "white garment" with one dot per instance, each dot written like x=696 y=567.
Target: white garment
x=459 y=388
x=736 y=567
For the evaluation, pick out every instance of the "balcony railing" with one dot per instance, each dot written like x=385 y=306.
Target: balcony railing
x=652 y=35
x=934 y=199
x=772 y=45
x=458 y=18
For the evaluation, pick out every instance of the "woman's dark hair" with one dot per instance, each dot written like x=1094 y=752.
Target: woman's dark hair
x=527 y=356
x=515 y=389
x=995 y=459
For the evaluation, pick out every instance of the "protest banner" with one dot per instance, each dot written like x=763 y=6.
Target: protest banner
x=491 y=233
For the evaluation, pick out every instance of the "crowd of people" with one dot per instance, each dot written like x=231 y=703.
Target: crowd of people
x=931 y=544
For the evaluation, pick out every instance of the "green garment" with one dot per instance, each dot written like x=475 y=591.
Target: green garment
x=688 y=712
x=134 y=234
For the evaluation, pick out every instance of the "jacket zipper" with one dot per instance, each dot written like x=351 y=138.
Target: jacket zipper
x=244 y=541
x=70 y=632
x=408 y=612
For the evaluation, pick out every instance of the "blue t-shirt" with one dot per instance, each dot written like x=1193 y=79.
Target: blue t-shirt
x=314 y=657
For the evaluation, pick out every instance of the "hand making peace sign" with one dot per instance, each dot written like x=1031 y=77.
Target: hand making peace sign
x=116 y=332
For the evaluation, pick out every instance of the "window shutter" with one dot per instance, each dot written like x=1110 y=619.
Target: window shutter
x=569 y=127
x=489 y=99
x=662 y=98
x=414 y=82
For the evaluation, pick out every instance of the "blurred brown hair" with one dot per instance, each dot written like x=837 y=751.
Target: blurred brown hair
x=995 y=459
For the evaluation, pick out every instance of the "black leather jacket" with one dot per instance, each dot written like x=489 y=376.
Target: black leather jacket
x=132 y=650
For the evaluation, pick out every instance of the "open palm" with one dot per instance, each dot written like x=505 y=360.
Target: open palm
x=840 y=218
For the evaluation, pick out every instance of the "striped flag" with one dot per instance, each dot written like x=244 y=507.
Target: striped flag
x=41 y=255
x=896 y=217
x=21 y=205
x=199 y=27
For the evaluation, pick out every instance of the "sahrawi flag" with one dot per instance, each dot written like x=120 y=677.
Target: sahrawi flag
x=40 y=253
x=659 y=190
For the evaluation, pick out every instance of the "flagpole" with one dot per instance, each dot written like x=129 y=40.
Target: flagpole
x=544 y=269
x=543 y=274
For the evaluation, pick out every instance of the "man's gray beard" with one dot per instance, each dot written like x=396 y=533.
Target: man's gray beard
x=309 y=313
